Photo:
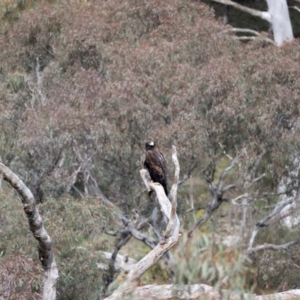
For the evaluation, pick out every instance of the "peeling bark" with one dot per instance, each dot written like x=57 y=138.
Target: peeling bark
x=39 y=232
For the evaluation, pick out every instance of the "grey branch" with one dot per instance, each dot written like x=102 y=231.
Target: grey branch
x=123 y=262
x=274 y=247
x=265 y=221
x=39 y=232
x=225 y=172
x=245 y=30
x=129 y=227
x=161 y=248
x=234 y=201
x=254 y=12
x=253 y=38
x=188 y=173
x=217 y=192
x=173 y=194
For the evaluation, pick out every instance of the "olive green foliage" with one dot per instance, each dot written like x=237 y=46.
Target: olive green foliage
x=76 y=230
x=205 y=260
x=20 y=277
x=277 y=270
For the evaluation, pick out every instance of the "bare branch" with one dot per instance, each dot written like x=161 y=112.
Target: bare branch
x=278 y=208
x=188 y=174
x=234 y=201
x=160 y=249
x=207 y=215
x=217 y=193
x=173 y=193
x=77 y=191
x=253 y=38
x=111 y=233
x=258 y=178
x=228 y=187
x=274 y=247
x=195 y=208
x=246 y=30
x=295 y=7
x=72 y=179
x=225 y=172
x=108 y=277
x=149 y=241
x=264 y=15
x=39 y=232
x=121 y=260
x=99 y=193
x=257 y=36
x=264 y=222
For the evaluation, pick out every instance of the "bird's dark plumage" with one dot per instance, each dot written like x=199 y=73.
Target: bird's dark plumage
x=156 y=165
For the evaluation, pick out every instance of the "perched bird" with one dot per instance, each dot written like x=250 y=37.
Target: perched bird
x=156 y=165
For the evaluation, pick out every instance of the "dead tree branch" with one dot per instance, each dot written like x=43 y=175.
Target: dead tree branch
x=123 y=262
x=188 y=173
x=161 y=248
x=274 y=247
x=39 y=232
x=257 y=13
x=295 y=7
x=217 y=192
x=201 y=291
x=173 y=194
x=265 y=221
x=131 y=230
x=257 y=35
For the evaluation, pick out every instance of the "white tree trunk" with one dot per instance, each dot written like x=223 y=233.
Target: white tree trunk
x=280 y=20
x=277 y=15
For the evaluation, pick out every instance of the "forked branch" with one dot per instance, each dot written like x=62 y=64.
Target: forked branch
x=217 y=193
x=169 y=240
x=264 y=223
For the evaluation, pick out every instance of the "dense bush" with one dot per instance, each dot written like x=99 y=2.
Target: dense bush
x=84 y=84
x=76 y=230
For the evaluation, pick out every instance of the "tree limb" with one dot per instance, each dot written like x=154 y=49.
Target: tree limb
x=201 y=291
x=173 y=194
x=188 y=173
x=160 y=249
x=264 y=222
x=39 y=232
x=217 y=192
x=295 y=7
x=257 y=13
x=274 y=247
x=122 y=261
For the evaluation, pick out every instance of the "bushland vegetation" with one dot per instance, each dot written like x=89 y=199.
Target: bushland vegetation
x=85 y=83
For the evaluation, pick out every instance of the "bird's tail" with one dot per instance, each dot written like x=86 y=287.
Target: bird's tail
x=166 y=190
